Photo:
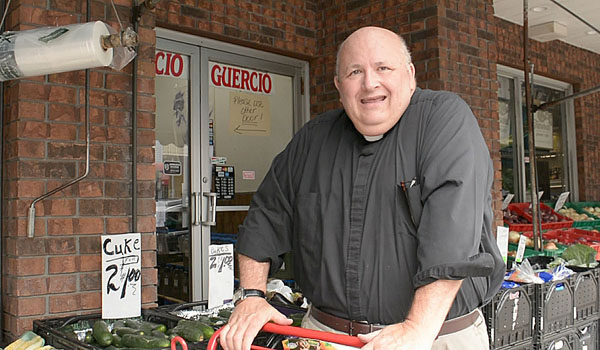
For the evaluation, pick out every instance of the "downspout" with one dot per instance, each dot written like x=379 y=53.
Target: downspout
x=3 y=4
x=134 y=139
x=31 y=219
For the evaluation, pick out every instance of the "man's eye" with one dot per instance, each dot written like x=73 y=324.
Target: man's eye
x=384 y=68
x=354 y=72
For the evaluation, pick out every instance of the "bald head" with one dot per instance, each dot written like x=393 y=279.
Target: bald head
x=372 y=33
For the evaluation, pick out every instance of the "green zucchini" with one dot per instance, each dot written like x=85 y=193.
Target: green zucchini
x=207 y=331
x=121 y=331
x=144 y=341
x=190 y=334
x=117 y=341
x=101 y=333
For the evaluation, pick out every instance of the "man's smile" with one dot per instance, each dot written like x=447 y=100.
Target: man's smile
x=374 y=99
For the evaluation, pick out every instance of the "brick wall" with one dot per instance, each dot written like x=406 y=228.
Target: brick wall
x=579 y=67
x=57 y=273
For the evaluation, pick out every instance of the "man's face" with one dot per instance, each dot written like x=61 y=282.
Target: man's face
x=375 y=80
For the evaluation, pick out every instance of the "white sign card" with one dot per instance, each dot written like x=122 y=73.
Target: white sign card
x=560 y=202
x=502 y=241
x=121 y=275
x=220 y=274
x=521 y=248
x=509 y=197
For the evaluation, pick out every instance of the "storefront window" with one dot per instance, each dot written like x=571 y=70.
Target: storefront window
x=550 y=137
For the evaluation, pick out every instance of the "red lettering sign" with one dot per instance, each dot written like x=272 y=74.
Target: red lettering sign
x=240 y=78
x=168 y=63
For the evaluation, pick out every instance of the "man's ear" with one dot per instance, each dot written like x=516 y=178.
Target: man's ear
x=336 y=82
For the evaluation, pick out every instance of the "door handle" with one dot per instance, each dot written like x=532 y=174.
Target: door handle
x=195 y=208
x=212 y=209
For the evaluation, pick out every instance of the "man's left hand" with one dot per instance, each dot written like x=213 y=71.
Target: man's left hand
x=400 y=336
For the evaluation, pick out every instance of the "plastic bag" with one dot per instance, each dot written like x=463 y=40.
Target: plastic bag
x=524 y=273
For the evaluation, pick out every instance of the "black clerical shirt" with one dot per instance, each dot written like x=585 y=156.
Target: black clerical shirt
x=369 y=222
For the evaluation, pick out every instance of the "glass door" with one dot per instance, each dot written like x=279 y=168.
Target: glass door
x=176 y=92
x=251 y=112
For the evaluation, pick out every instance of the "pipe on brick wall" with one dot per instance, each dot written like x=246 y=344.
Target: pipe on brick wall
x=31 y=214
x=2 y=4
x=134 y=140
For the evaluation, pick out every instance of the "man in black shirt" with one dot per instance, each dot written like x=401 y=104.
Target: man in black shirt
x=387 y=208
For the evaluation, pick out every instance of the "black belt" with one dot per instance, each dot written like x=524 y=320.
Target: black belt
x=363 y=327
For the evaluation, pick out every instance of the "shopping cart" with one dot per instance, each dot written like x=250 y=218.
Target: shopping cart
x=295 y=332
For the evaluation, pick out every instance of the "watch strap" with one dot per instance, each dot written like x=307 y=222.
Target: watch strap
x=246 y=293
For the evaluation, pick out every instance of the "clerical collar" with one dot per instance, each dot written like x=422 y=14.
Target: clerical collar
x=373 y=138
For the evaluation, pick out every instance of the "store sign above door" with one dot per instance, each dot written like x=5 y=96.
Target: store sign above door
x=238 y=78
x=171 y=64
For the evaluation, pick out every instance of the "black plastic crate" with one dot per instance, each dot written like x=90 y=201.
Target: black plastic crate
x=585 y=296
x=49 y=330
x=527 y=345
x=553 y=309
x=509 y=316
x=195 y=305
x=586 y=336
x=563 y=341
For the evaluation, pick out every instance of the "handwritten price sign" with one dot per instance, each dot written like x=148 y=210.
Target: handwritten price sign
x=220 y=274
x=121 y=275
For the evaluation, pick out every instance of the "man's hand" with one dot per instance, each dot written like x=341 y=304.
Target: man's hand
x=247 y=319
x=400 y=336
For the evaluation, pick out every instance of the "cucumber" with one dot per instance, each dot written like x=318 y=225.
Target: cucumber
x=207 y=331
x=225 y=313
x=101 y=333
x=158 y=334
x=117 y=341
x=190 y=334
x=131 y=323
x=144 y=341
x=121 y=331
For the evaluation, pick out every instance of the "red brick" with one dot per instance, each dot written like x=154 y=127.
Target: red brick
x=149 y=276
x=91 y=300
x=27 y=266
x=149 y=294
x=93 y=225
x=33 y=129
x=29 y=189
x=30 y=149
x=146 y=103
x=146 y=224
x=62 y=94
x=145 y=172
x=90 y=188
x=118 y=82
x=118 y=135
x=62 y=284
x=60 y=226
x=91 y=262
x=30 y=306
x=148 y=258
x=61 y=245
x=64 y=303
x=146 y=137
x=118 y=225
x=119 y=118
x=66 y=132
x=62 y=112
x=31 y=110
x=60 y=207
x=90 y=281
x=30 y=286
x=117 y=171
x=149 y=241
x=33 y=91
x=89 y=244
x=63 y=264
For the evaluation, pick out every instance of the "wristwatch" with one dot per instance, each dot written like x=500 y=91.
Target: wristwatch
x=242 y=293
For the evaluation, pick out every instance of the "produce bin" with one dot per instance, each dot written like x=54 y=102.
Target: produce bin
x=585 y=295
x=564 y=341
x=49 y=330
x=521 y=210
x=554 y=312
x=574 y=236
x=586 y=336
x=578 y=206
x=509 y=316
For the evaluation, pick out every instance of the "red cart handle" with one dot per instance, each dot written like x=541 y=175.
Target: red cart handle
x=179 y=340
x=296 y=332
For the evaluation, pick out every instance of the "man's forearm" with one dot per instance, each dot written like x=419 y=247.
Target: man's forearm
x=253 y=274
x=432 y=303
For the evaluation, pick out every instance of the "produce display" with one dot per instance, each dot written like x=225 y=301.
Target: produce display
x=546 y=213
x=137 y=333
x=573 y=214
x=510 y=217
x=592 y=210
x=29 y=341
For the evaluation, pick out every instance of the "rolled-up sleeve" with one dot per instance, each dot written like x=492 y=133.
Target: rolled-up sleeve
x=455 y=179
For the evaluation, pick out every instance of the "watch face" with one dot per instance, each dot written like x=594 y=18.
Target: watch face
x=237 y=296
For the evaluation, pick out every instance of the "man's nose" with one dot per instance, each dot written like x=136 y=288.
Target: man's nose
x=371 y=80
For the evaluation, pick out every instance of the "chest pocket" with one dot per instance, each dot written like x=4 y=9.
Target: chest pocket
x=412 y=195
